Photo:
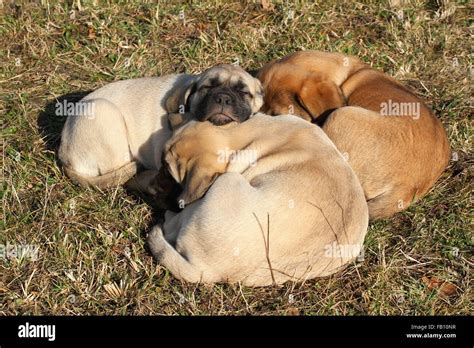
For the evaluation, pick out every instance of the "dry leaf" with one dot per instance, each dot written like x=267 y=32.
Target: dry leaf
x=445 y=289
x=293 y=311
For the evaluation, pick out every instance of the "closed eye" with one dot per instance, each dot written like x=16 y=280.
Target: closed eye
x=245 y=92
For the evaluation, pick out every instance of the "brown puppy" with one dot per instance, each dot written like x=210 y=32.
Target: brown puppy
x=392 y=140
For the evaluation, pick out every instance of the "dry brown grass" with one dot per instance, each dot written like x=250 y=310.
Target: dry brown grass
x=92 y=258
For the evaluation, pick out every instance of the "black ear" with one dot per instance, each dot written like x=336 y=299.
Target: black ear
x=177 y=101
x=253 y=72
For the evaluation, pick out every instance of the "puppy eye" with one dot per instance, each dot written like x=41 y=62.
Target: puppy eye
x=203 y=88
x=245 y=93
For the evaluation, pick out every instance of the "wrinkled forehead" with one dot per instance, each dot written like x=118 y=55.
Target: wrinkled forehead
x=227 y=74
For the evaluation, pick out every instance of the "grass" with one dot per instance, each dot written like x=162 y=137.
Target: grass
x=92 y=253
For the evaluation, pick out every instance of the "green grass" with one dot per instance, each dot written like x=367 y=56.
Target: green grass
x=92 y=253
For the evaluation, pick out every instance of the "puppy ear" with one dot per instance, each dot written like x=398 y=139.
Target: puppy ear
x=194 y=181
x=176 y=168
x=258 y=100
x=197 y=183
x=183 y=170
x=317 y=96
x=176 y=101
x=177 y=119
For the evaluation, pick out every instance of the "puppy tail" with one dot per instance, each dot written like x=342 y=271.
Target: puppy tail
x=108 y=180
x=166 y=255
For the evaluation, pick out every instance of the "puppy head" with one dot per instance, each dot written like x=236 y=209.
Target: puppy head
x=224 y=93
x=191 y=159
x=292 y=89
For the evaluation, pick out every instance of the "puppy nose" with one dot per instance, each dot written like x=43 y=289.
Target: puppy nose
x=223 y=99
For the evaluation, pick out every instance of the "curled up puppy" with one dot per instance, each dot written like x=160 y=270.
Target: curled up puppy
x=265 y=201
x=392 y=140
x=126 y=124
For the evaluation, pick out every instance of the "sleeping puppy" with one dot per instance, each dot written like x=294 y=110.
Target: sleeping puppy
x=392 y=140
x=265 y=201
x=124 y=125
x=224 y=94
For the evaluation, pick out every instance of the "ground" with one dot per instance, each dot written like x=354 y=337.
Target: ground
x=92 y=256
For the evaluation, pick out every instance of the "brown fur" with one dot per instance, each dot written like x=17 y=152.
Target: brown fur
x=397 y=158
